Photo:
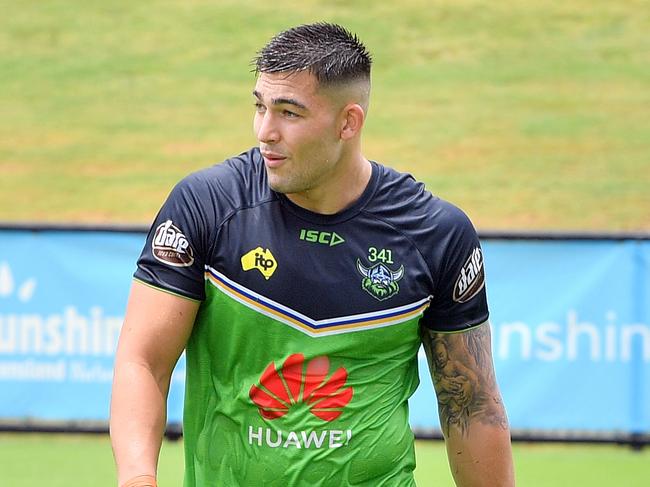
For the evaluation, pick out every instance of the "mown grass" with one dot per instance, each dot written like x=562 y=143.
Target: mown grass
x=527 y=114
x=30 y=460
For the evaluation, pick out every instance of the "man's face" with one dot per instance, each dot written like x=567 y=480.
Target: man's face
x=298 y=129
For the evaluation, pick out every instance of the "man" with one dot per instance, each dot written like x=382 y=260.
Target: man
x=302 y=278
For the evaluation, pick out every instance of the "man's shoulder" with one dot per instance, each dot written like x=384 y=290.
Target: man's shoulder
x=236 y=182
x=400 y=195
x=244 y=169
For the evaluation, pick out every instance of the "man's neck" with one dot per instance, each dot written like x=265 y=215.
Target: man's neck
x=339 y=193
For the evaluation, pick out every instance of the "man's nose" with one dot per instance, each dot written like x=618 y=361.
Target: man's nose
x=267 y=131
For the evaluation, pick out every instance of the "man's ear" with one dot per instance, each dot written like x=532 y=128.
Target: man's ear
x=352 y=121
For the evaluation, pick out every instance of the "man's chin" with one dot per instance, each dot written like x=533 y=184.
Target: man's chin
x=283 y=185
x=278 y=185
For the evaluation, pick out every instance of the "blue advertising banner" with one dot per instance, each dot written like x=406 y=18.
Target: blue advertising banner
x=571 y=335
x=570 y=330
x=62 y=300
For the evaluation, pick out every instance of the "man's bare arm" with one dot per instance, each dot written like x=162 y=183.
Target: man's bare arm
x=472 y=415
x=156 y=328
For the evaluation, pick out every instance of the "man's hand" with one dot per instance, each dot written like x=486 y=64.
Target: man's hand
x=141 y=481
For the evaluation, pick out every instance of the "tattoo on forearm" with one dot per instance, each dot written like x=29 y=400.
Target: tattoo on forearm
x=463 y=376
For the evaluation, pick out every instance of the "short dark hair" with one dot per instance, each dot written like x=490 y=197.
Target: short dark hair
x=328 y=51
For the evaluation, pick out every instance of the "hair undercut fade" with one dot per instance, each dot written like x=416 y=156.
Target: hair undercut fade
x=328 y=51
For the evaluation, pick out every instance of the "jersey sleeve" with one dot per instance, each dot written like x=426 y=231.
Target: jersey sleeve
x=175 y=252
x=459 y=299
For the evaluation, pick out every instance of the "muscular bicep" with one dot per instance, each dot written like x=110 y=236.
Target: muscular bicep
x=463 y=377
x=156 y=328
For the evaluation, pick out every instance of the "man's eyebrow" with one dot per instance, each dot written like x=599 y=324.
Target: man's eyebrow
x=282 y=101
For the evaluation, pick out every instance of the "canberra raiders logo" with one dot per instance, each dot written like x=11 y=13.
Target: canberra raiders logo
x=380 y=281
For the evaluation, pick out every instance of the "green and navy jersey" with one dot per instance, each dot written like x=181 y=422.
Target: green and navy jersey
x=304 y=351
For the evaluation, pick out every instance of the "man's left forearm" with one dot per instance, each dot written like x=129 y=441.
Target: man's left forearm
x=472 y=415
x=481 y=455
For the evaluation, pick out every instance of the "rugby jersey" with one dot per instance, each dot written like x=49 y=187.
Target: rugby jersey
x=303 y=353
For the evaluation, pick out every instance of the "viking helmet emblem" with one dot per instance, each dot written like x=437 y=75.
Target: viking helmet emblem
x=379 y=280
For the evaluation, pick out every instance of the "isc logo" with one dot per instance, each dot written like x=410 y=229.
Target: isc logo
x=325 y=238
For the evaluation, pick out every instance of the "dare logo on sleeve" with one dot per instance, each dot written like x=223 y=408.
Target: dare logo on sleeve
x=170 y=246
x=471 y=279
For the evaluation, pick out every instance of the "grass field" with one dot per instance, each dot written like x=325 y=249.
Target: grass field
x=74 y=460
x=526 y=114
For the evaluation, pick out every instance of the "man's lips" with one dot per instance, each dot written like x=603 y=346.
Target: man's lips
x=273 y=159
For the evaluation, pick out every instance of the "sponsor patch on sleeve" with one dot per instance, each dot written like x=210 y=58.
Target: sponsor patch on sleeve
x=171 y=247
x=471 y=279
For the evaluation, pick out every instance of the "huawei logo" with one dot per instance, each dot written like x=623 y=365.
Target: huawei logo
x=278 y=391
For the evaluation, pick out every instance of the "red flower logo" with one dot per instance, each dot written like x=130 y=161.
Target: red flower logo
x=279 y=390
